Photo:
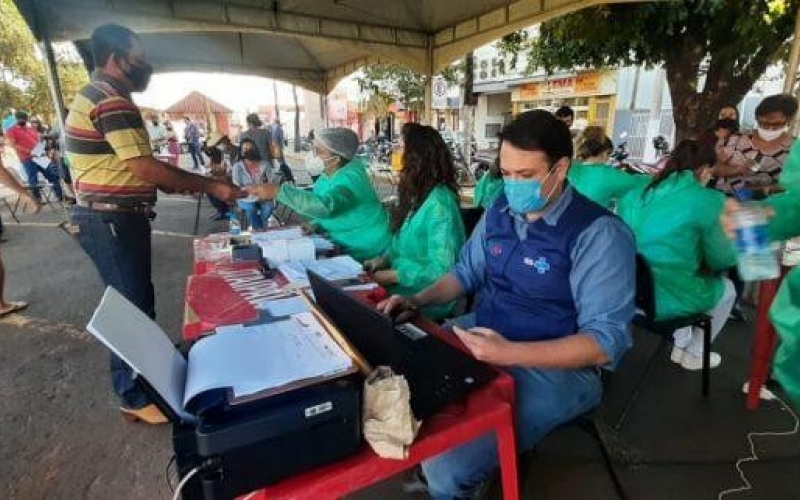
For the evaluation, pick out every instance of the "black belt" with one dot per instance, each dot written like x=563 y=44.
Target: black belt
x=141 y=208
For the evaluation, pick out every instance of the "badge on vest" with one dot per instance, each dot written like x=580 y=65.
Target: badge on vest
x=541 y=265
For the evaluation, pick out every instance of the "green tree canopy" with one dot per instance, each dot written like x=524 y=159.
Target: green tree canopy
x=713 y=51
x=23 y=84
x=387 y=83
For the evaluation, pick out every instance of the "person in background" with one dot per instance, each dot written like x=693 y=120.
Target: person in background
x=342 y=203
x=250 y=171
x=489 y=187
x=24 y=139
x=592 y=176
x=566 y=115
x=427 y=225
x=729 y=112
x=191 y=135
x=220 y=170
x=8 y=180
x=676 y=223
x=259 y=135
x=9 y=120
x=157 y=133
x=755 y=160
x=116 y=178
x=278 y=140
x=554 y=275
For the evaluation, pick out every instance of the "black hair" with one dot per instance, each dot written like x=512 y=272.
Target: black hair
x=110 y=40
x=779 y=103
x=21 y=115
x=427 y=163
x=689 y=155
x=565 y=111
x=732 y=106
x=593 y=142
x=253 y=120
x=257 y=156
x=215 y=155
x=539 y=130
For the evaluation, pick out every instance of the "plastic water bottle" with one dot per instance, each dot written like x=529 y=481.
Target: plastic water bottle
x=234 y=227
x=757 y=260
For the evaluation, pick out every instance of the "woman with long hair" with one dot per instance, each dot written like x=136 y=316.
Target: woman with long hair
x=426 y=224
x=676 y=222
x=591 y=174
x=252 y=170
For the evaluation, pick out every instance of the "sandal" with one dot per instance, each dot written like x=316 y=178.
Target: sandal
x=14 y=307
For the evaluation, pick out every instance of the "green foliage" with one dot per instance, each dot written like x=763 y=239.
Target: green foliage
x=511 y=45
x=23 y=84
x=387 y=83
x=730 y=42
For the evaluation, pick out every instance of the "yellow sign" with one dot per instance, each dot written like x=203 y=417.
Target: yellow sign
x=587 y=83
x=582 y=84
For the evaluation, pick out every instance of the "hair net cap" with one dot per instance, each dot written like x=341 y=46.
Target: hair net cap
x=338 y=140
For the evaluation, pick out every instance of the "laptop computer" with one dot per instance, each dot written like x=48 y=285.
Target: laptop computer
x=437 y=373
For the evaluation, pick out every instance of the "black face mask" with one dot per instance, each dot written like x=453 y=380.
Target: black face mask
x=22 y=123
x=139 y=76
x=252 y=155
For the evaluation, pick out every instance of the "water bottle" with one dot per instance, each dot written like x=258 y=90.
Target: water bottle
x=234 y=227
x=757 y=260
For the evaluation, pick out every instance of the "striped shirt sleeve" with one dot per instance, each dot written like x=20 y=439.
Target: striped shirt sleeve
x=119 y=120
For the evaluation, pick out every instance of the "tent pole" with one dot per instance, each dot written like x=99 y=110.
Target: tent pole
x=794 y=58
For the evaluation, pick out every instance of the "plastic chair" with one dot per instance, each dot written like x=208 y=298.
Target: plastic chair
x=645 y=319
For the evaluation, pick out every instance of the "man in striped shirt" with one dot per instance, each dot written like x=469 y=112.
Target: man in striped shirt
x=115 y=180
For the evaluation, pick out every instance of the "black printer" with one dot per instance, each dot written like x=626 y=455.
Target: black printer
x=242 y=448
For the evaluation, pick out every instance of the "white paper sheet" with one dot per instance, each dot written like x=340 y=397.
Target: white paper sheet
x=279 y=251
x=139 y=341
x=289 y=233
x=256 y=358
x=278 y=308
x=341 y=267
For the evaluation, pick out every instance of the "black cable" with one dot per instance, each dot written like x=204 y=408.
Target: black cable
x=166 y=474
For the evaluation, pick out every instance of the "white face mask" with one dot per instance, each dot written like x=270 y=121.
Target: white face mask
x=771 y=135
x=314 y=164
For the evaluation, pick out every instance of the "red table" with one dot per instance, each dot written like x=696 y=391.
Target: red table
x=764 y=342
x=490 y=408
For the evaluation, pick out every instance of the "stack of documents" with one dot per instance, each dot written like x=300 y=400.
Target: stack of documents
x=342 y=267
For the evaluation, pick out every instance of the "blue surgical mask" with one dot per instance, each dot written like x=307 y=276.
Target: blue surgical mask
x=525 y=195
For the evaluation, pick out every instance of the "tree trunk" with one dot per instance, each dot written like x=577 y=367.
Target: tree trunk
x=275 y=94
x=296 y=120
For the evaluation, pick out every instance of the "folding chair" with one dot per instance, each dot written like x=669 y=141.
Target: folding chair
x=645 y=319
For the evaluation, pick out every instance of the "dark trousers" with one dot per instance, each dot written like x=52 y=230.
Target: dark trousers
x=197 y=156
x=32 y=170
x=119 y=245
x=221 y=207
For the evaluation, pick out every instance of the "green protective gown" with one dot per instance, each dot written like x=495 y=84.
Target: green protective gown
x=603 y=184
x=785 y=310
x=790 y=176
x=487 y=190
x=344 y=205
x=427 y=246
x=678 y=231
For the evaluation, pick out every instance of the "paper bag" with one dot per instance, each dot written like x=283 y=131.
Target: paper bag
x=389 y=425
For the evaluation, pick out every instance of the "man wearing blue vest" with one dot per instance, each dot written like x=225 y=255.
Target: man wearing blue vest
x=554 y=274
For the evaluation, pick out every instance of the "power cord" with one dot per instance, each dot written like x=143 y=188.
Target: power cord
x=167 y=474
x=185 y=480
x=754 y=456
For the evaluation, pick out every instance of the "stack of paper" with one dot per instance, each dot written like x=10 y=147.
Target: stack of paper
x=342 y=267
x=279 y=251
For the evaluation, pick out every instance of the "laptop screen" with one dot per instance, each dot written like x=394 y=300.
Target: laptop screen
x=370 y=332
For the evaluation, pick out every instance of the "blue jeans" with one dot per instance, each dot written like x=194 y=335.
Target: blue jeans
x=220 y=206
x=119 y=246
x=545 y=400
x=197 y=156
x=257 y=212
x=50 y=173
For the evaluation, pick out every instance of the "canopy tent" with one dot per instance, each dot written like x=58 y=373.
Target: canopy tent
x=311 y=43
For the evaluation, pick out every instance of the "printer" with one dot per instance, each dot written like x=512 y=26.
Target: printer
x=239 y=450
x=232 y=446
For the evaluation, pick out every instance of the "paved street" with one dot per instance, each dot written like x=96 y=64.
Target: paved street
x=62 y=437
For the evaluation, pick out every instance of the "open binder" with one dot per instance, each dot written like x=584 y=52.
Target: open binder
x=243 y=363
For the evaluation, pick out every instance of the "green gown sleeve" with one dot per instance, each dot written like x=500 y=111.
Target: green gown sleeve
x=718 y=250
x=310 y=204
x=785 y=223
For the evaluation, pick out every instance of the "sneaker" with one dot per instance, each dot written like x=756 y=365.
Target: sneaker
x=150 y=414
x=676 y=356
x=692 y=362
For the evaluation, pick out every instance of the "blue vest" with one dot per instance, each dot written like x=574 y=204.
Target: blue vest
x=527 y=293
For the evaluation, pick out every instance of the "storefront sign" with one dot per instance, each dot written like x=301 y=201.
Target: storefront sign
x=589 y=83
x=438 y=93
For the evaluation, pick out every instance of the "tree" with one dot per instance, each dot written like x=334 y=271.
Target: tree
x=23 y=83
x=387 y=83
x=296 y=119
x=713 y=51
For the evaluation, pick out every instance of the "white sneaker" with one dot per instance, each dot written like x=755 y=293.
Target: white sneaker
x=692 y=362
x=676 y=356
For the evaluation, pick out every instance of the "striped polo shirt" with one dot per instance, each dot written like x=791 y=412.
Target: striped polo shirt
x=103 y=129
